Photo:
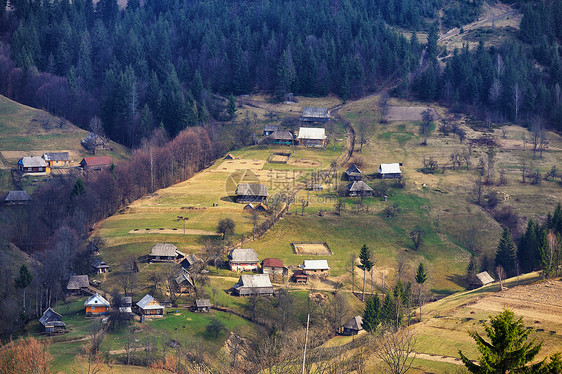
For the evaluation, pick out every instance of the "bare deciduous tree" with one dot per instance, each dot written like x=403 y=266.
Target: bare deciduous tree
x=384 y=105
x=395 y=348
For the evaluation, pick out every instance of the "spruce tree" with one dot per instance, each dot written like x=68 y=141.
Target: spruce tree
x=366 y=264
x=23 y=281
x=505 y=253
x=528 y=248
x=372 y=314
x=421 y=278
x=545 y=260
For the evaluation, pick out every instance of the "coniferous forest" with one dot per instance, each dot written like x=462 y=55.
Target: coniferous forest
x=165 y=61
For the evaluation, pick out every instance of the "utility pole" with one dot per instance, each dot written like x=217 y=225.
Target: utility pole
x=305 y=342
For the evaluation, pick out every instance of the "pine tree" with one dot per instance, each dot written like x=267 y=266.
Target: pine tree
x=79 y=188
x=366 y=264
x=528 y=248
x=421 y=278
x=505 y=253
x=507 y=350
x=388 y=311
x=23 y=281
x=372 y=314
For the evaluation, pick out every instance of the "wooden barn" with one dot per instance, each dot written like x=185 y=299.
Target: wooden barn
x=99 y=266
x=353 y=326
x=78 y=284
x=312 y=137
x=57 y=159
x=251 y=192
x=96 y=163
x=358 y=189
x=484 y=278
x=387 y=171
x=164 y=252
x=270 y=129
x=149 y=306
x=312 y=114
x=184 y=281
x=33 y=164
x=299 y=276
x=243 y=259
x=283 y=137
x=253 y=284
x=202 y=305
x=190 y=261
x=52 y=322
x=352 y=174
x=17 y=198
x=97 y=305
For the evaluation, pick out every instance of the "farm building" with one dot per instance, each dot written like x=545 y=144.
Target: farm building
x=353 y=326
x=273 y=266
x=99 y=266
x=33 y=164
x=57 y=159
x=52 y=322
x=190 y=261
x=202 y=305
x=311 y=137
x=164 y=252
x=17 y=198
x=318 y=267
x=300 y=276
x=390 y=170
x=96 y=163
x=184 y=281
x=96 y=305
x=125 y=305
x=243 y=259
x=255 y=284
x=311 y=114
x=78 y=284
x=270 y=129
x=92 y=142
x=358 y=188
x=352 y=174
x=284 y=137
x=251 y=192
x=149 y=306
x=484 y=278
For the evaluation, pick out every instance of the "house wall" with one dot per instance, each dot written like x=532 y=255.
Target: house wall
x=391 y=175
x=243 y=266
x=152 y=312
x=312 y=142
x=272 y=270
x=97 y=309
x=58 y=163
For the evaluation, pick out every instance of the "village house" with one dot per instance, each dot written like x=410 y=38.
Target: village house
x=353 y=326
x=93 y=142
x=300 y=276
x=273 y=266
x=149 y=306
x=358 y=189
x=33 y=164
x=97 y=305
x=202 y=305
x=312 y=137
x=17 y=198
x=164 y=252
x=52 y=322
x=352 y=174
x=253 y=284
x=390 y=170
x=270 y=129
x=311 y=114
x=484 y=278
x=78 y=284
x=251 y=192
x=190 y=261
x=57 y=159
x=126 y=305
x=283 y=137
x=315 y=267
x=243 y=259
x=99 y=266
x=184 y=281
x=96 y=163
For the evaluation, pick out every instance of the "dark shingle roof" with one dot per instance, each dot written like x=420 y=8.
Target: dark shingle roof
x=56 y=156
x=77 y=282
x=50 y=316
x=354 y=171
x=315 y=112
x=355 y=323
x=164 y=249
x=17 y=196
x=251 y=189
x=358 y=186
x=98 y=264
x=285 y=135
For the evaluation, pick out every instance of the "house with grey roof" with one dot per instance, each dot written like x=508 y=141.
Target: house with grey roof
x=99 y=266
x=190 y=261
x=57 y=159
x=315 y=267
x=358 y=189
x=243 y=259
x=284 y=137
x=312 y=114
x=164 y=252
x=17 y=198
x=353 y=326
x=52 y=322
x=251 y=192
x=202 y=305
x=253 y=284
x=33 y=164
x=270 y=129
x=184 y=281
x=352 y=174
x=149 y=306
x=97 y=305
x=78 y=283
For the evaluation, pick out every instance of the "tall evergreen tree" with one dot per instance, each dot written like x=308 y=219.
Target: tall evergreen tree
x=527 y=251
x=366 y=264
x=505 y=253
x=23 y=281
x=421 y=278
x=372 y=314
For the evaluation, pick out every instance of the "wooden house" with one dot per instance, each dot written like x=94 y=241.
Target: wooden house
x=312 y=137
x=315 y=267
x=184 y=281
x=283 y=137
x=57 y=159
x=78 y=284
x=164 y=252
x=99 y=266
x=353 y=326
x=96 y=163
x=33 y=164
x=253 y=284
x=251 y=192
x=149 y=306
x=300 y=276
x=190 y=261
x=93 y=142
x=390 y=170
x=202 y=305
x=358 y=189
x=52 y=322
x=273 y=266
x=97 y=305
x=311 y=114
x=270 y=129
x=484 y=278
x=352 y=174
x=17 y=198
x=243 y=259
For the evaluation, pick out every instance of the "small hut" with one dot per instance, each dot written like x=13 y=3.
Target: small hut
x=352 y=174
x=253 y=284
x=17 y=198
x=202 y=305
x=52 y=322
x=358 y=189
x=99 y=266
x=484 y=278
x=353 y=326
x=78 y=284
